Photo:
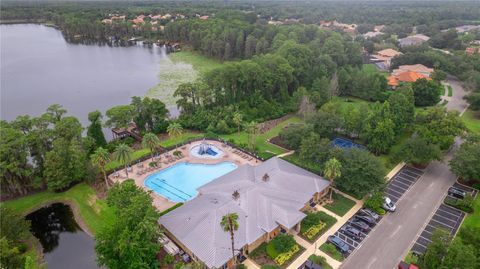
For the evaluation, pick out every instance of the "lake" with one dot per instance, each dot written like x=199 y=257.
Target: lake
x=64 y=244
x=39 y=68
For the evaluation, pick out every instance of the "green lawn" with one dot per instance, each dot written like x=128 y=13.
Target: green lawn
x=332 y=251
x=473 y=220
x=114 y=164
x=389 y=160
x=450 y=91
x=200 y=63
x=261 y=139
x=93 y=211
x=295 y=159
x=341 y=204
x=372 y=68
x=472 y=120
x=172 y=141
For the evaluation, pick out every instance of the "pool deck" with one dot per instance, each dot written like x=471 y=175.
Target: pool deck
x=162 y=203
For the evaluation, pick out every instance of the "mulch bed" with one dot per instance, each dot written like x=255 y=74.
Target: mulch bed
x=276 y=140
x=268 y=125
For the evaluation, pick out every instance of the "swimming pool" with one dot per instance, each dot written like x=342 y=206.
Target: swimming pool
x=179 y=182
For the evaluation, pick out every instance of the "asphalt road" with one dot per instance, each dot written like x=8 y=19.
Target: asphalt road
x=387 y=244
x=456 y=101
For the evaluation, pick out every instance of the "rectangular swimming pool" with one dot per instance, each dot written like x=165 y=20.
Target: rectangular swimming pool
x=179 y=182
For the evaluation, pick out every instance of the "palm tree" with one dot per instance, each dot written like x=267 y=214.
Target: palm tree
x=238 y=119
x=100 y=158
x=332 y=171
x=252 y=130
x=229 y=224
x=123 y=154
x=174 y=129
x=150 y=141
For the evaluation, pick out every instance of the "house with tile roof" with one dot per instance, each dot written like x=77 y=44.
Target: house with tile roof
x=384 y=57
x=269 y=199
x=404 y=77
x=418 y=68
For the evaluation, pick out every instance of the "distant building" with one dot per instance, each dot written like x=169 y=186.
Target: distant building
x=384 y=57
x=347 y=28
x=414 y=40
x=378 y=28
x=472 y=50
x=466 y=28
x=404 y=77
x=372 y=34
x=418 y=68
x=271 y=22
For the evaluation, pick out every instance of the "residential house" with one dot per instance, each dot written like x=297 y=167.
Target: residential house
x=466 y=28
x=414 y=40
x=404 y=77
x=269 y=199
x=384 y=57
x=472 y=50
x=418 y=68
x=372 y=34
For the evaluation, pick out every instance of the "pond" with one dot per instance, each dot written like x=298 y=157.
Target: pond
x=39 y=68
x=65 y=244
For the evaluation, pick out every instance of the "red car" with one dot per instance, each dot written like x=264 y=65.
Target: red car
x=404 y=265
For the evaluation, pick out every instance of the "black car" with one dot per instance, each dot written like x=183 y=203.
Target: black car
x=336 y=241
x=457 y=193
x=359 y=224
x=352 y=232
x=370 y=213
x=367 y=219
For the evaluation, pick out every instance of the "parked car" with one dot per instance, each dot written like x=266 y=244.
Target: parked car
x=457 y=193
x=389 y=205
x=336 y=241
x=369 y=212
x=359 y=224
x=367 y=219
x=351 y=232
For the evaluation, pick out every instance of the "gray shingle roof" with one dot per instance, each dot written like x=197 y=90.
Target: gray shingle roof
x=262 y=205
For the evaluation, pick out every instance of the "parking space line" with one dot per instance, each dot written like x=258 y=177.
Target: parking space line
x=407 y=176
x=453 y=215
x=400 y=184
x=395 y=191
x=443 y=225
x=404 y=181
x=444 y=220
x=419 y=171
x=406 y=172
x=426 y=239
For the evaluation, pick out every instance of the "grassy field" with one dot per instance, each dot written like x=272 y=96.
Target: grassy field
x=341 y=204
x=450 y=91
x=473 y=220
x=261 y=139
x=93 y=211
x=472 y=120
x=178 y=68
x=372 y=68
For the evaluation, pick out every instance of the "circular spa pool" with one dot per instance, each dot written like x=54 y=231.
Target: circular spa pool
x=206 y=151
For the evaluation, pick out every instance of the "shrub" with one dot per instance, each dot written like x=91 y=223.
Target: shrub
x=283 y=257
x=179 y=265
x=317 y=259
x=330 y=249
x=240 y=266
x=169 y=259
x=270 y=266
x=311 y=232
x=375 y=202
x=283 y=243
x=465 y=205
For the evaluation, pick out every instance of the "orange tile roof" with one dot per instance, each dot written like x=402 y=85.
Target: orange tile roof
x=410 y=76
x=392 y=81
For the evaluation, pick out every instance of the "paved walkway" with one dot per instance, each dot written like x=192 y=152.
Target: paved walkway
x=456 y=101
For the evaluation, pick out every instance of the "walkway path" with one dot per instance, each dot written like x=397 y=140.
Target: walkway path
x=456 y=101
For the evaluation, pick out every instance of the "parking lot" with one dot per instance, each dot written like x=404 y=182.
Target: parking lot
x=445 y=217
x=397 y=186
x=353 y=243
x=401 y=182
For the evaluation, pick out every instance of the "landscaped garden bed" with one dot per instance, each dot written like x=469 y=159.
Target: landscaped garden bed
x=465 y=205
x=320 y=260
x=280 y=251
x=332 y=251
x=316 y=224
x=341 y=204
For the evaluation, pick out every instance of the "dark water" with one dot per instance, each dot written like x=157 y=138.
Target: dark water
x=64 y=244
x=39 y=68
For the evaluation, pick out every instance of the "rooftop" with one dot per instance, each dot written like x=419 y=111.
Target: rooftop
x=269 y=195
